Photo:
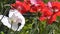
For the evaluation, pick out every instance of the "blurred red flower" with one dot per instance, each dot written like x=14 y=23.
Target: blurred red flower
x=48 y=11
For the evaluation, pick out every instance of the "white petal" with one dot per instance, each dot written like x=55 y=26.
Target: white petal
x=5 y=21
x=14 y=26
x=22 y=24
x=1 y=16
x=11 y=13
x=19 y=15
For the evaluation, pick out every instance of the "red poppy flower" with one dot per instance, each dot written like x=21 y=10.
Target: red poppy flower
x=33 y=9
x=19 y=6
x=58 y=13
x=52 y=19
x=42 y=18
x=56 y=5
x=46 y=11
x=26 y=6
x=42 y=4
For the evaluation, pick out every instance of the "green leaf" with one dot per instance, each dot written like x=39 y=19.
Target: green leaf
x=2 y=32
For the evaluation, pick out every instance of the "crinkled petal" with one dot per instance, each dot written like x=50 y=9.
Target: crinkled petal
x=19 y=15
x=5 y=21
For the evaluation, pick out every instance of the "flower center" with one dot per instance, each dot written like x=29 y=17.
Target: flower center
x=15 y=20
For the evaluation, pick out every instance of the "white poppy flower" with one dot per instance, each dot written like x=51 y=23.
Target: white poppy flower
x=15 y=18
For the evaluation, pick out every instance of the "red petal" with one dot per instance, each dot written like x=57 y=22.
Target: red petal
x=52 y=19
x=42 y=18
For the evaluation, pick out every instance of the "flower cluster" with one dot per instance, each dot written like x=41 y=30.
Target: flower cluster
x=49 y=11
